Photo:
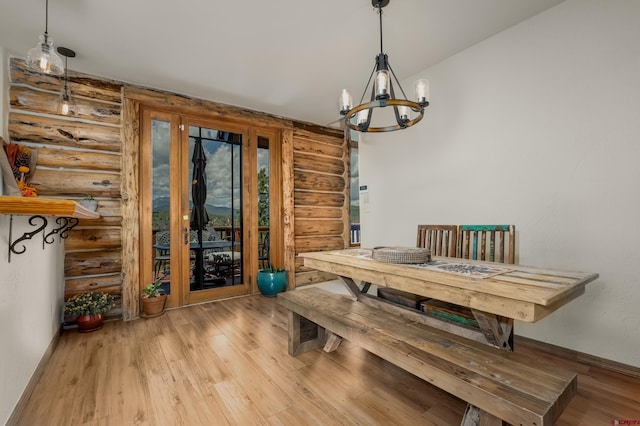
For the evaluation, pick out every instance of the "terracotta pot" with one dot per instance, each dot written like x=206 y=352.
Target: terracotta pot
x=153 y=306
x=88 y=323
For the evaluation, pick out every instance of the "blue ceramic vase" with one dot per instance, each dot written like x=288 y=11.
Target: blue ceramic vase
x=272 y=283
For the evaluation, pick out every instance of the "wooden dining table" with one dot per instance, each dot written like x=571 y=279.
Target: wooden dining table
x=497 y=294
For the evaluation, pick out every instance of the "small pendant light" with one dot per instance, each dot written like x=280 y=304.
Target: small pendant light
x=43 y=58
x=67 y=105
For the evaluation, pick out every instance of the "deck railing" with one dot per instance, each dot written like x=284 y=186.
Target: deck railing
x=355 y=235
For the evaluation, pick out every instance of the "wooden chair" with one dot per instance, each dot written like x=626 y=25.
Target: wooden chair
x=162 y=259
x=263 y=251
x=441 y=240
x=493 y=243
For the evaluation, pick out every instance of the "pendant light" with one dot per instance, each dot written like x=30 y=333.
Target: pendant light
x=67 y=105
x=406 y=113
x=43 y=58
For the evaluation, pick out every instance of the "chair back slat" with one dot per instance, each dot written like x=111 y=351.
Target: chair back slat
x=441 y=240
x=487 y=242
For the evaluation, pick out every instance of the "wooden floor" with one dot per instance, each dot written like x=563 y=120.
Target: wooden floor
x=227 y=363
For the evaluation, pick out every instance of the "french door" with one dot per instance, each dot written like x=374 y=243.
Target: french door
x=209 y=192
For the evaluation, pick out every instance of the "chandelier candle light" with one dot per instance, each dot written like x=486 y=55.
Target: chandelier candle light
x=67 y=105
x=43 y=58
x=382 y=95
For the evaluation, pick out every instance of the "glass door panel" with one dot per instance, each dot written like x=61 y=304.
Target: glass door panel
x=215 y=202
x=264 y=249
x=161 y=202
x=160 y=252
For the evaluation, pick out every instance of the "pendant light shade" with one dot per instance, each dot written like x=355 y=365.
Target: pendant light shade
x=403 y=112
x=66 y=104
x=43 y=58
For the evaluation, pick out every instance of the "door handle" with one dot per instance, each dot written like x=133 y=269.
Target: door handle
x=186 y=235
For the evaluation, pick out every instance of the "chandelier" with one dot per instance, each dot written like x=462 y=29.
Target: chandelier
x=405 y=112
x=43 y=57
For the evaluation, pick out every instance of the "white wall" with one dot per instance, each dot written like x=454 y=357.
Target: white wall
x=538 y=126
x=31 y=294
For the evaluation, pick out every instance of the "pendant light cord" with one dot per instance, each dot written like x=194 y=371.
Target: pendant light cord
x=66 y=58
x=46 y=21
x=380 y=13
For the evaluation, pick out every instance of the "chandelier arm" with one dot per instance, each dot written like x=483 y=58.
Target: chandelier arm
x=368 y=83
x=396 y=79
x=395 y=107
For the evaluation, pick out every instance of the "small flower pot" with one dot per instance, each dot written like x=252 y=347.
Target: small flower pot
x=153 y=306
x=89 y=204
x=272 y=283
x=89 y=323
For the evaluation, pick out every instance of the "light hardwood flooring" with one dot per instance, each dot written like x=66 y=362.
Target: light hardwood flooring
x=226 y=363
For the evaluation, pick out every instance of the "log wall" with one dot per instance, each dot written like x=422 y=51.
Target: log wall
x=77 y=155
x=95 y=152
x=320 y=174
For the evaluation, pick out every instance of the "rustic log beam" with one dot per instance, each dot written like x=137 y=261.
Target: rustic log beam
x=111 y=284
x=306 y=228
x=319 y=199
x=303 y=212
x=318 y=181
x=52 y=131
x=79 y=84
x=308 y=244
x=71 y=159
x=130 y=214
x=79 y=264
x=76 y=183
x=90 y=239
x=25 y=99
x=318 y=163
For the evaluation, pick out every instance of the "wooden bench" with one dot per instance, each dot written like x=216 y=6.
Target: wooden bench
x=503 y=385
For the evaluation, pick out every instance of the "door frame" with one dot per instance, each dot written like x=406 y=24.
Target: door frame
x=250 y=135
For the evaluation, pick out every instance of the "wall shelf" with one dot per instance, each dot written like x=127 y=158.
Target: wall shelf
x=44 y=206
x=68 y=214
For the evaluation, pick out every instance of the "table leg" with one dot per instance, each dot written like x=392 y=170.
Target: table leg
x=497 y=330
x=352 y=287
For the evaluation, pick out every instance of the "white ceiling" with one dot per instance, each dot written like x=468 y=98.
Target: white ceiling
x=284 y=57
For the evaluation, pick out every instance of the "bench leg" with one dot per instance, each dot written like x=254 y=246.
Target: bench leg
x=333 y=341
x=304 y=335
x=473 y=416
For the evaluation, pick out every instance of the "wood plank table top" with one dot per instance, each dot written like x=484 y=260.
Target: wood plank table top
x=523 y=293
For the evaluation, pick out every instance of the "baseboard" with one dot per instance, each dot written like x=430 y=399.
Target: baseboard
x=35 y=378
x=581 y=357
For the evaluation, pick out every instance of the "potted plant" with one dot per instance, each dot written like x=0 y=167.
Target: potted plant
x=272 y=281
x=89 y=203
x=153 y=300
x=89 y=309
